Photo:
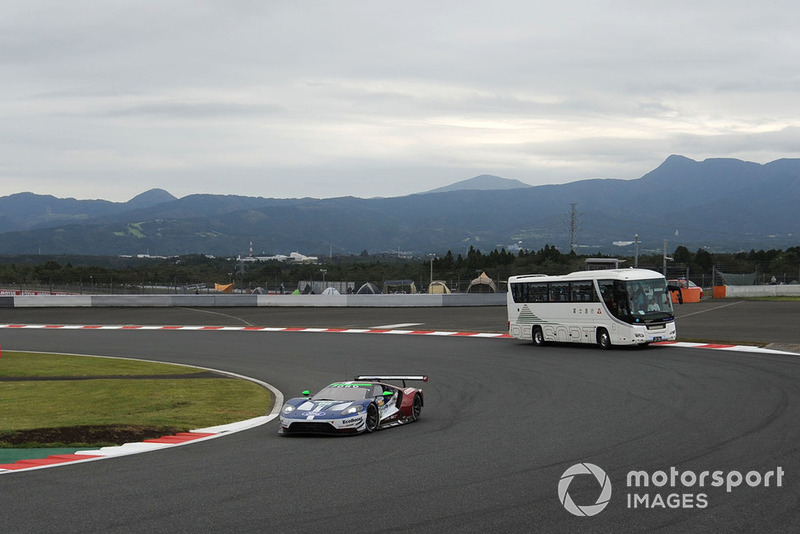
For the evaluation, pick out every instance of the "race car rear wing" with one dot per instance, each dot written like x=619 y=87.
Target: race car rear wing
x=402 y=378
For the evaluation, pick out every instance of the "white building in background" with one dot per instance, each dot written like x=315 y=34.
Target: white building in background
x=300 y=258
x=294 y=257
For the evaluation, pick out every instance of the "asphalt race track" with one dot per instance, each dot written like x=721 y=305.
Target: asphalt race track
x=502 y=423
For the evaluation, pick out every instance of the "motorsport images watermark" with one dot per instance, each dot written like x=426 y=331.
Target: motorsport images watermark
x=662 y=489
x=584 y=469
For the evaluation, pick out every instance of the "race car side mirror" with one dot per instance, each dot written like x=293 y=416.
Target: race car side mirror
x=306 y=393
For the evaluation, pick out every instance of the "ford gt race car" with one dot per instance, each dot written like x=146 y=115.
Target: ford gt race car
x=363 y=404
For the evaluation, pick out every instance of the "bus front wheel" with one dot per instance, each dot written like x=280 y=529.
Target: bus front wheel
x=603 y=339
x=538 y=336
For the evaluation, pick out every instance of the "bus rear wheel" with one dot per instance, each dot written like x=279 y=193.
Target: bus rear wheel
x=537 y=336
x=603 y=339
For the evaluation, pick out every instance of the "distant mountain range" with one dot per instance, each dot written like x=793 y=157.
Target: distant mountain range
x=722 y=204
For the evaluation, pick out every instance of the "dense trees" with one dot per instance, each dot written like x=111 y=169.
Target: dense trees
x=193 y=272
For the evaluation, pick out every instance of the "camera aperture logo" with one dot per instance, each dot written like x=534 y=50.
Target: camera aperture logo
x=602 y=500
x=663 y=489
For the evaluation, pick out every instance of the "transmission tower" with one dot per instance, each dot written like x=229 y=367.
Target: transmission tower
x=573 y=227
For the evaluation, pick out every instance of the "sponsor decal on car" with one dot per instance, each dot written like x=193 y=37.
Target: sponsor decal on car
x=352 y=421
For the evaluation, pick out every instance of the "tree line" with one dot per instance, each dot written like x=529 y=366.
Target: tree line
x=198 y=272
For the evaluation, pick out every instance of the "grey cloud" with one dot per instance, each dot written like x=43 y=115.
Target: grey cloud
x=336 y=95
x=194 y=110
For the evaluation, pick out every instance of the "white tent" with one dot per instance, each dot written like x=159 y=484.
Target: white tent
x=482 y=284
x=368 y=289
x=438 y=287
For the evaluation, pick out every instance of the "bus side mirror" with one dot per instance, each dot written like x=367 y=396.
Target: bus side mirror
x=671 y=288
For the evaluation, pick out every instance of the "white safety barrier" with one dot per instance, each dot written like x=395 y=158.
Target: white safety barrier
x=785 y=290
x=223 y=300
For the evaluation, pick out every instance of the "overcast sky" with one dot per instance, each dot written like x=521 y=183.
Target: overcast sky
x=107 y=99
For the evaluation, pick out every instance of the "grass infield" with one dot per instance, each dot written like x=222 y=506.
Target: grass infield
x=55 y=400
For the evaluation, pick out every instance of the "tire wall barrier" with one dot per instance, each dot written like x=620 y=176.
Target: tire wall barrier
x=226 y=300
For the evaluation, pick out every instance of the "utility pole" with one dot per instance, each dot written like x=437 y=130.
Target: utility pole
x=432 y=257
x=573 y=227
x=241 y=269
x=666 y=258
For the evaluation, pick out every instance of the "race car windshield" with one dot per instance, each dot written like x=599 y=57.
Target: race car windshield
x=343 y=392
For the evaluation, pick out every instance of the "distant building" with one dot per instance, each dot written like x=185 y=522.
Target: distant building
x=294 y=257
x=593 y=264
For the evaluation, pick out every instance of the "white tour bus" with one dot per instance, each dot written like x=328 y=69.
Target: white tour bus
x=607 y=307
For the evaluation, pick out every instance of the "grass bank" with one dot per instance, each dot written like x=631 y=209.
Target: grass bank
x=54 y=400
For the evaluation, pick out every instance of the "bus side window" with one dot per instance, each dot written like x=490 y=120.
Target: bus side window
x=559 y=292
x=607 y=292
x=539 y=292
x=583 y=292
x=621 y=298
x=521 y=292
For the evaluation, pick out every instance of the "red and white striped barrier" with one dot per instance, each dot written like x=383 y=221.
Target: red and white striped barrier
x=256 y=329
x=393 y=331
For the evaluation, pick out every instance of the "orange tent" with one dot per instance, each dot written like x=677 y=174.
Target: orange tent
x=224 y=288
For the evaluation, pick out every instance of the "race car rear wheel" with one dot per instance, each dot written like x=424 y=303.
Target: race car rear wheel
x=416 y=408
x=372 y=418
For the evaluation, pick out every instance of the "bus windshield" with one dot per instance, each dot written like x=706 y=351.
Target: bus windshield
x=637 y=301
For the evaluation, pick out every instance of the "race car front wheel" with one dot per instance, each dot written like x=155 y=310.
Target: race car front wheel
x=372 y=418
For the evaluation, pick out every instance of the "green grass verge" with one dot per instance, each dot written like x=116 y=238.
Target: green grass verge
x=132 y=405
x=16 y=364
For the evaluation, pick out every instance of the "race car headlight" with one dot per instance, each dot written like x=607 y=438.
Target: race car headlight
x=352 y=409
x=288 y=408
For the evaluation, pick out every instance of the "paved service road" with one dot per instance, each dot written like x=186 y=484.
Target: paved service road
x=503 y=421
